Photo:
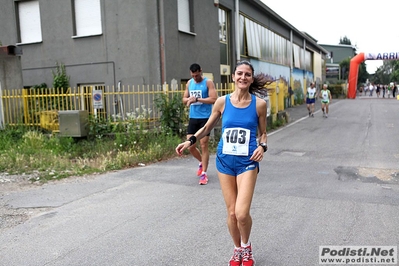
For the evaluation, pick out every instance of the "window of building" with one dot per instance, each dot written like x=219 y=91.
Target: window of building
x=223 y=37
x=222 y=25
x=308 y=61
x=296 y=53
x=87 y=17
x=252 y=35
x=184 y=15
x=242 y=36
x=29 y=25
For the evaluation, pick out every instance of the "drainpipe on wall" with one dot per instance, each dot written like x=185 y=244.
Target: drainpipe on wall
x=238 y=50
x=162 y=40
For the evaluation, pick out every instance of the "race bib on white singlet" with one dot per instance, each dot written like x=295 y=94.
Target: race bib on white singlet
x=324 y=95
x=236 y=141
x=196 y=94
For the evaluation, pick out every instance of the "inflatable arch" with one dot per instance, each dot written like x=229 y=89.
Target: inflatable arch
x=354 y=68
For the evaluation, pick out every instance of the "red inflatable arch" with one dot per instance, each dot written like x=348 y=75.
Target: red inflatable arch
x=354 y=68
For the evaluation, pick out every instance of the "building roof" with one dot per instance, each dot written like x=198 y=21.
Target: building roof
x=303 y=34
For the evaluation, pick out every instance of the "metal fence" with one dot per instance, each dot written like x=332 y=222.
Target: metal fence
x=40 y=107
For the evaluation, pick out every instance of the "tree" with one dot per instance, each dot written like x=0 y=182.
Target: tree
x=383 y=73
x=345 y=40
x=363 y=75
x=395 y=71
x=344 y=66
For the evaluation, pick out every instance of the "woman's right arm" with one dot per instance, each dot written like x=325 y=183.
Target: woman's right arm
x=217 y=111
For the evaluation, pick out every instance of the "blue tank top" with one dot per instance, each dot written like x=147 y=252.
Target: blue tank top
x=200 y=90
x=239 y=126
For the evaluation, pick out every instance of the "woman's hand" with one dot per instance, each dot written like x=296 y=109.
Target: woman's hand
x=182 y=146
x=257 y=156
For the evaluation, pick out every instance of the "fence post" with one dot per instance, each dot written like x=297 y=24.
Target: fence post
x=1 y=108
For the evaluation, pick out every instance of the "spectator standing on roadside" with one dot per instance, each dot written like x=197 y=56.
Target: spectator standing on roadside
x=377 y=90
x=389 y=89
x=290 y=93
x=200 y=95
x=384 y=89
x=371 y=88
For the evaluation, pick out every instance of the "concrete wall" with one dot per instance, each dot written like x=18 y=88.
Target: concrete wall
x=202 y=47
x=126 y=51
x=10 y=72
x=129 y=50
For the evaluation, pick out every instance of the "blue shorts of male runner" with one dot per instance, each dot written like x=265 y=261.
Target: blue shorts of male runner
x=310 y=100
x=234 y=165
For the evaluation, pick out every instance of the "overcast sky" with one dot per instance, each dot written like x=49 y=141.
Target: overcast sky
x=371 y=26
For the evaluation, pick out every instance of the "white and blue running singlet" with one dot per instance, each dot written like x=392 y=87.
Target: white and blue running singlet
x=199 y=110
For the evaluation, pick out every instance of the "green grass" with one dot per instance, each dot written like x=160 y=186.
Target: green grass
x=54 y=157
x=51 y=157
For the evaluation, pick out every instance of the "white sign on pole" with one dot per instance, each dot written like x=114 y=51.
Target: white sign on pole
x=97 y=99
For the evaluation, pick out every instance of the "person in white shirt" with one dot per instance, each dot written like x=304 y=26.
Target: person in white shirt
x=371 y=88
x=311 y=98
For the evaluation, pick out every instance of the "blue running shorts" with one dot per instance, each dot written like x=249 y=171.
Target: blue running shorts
x=234 y=165
x=310 y=101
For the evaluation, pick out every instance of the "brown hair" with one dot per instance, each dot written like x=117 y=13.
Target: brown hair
x=260 y=80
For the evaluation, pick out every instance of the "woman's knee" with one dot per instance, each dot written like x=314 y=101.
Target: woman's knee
x=242 y=216
x=232 y=216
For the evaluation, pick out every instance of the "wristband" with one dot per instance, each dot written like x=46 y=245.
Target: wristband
x=192 y=139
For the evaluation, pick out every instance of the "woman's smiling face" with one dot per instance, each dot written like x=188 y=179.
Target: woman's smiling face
x=243 y=76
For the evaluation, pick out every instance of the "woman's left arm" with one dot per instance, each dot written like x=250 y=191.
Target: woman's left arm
x=261 y=109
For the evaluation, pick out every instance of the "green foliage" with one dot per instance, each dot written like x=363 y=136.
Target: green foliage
x=344 y=67
x=40 y=86
x=363 y=75
x=336 y=91
x=98 y=126
x=60 y=78
x=56 y=157
x=279 y=122
x=383 y=74
x=345 y=40
x=395 y=71
x=11 y=135
x=172 y=113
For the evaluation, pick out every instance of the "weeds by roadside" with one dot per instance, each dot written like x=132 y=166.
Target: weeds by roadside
x=25 y=151
x=54 y=157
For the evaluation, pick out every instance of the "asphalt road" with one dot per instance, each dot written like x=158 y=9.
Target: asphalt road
x=324 y=181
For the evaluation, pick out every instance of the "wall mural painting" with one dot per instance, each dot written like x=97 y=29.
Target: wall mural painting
x=278 y=73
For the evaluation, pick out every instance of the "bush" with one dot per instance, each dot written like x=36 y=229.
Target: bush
x=172 y=113
x=336 y=90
